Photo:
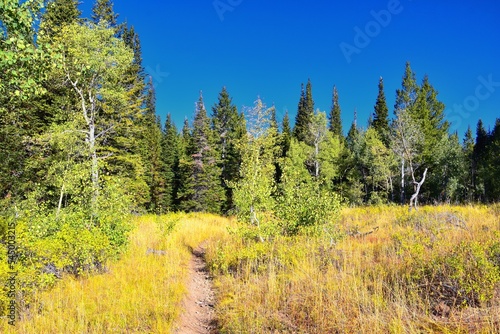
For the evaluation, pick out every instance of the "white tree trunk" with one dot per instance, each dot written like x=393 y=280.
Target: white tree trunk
x=414 y=197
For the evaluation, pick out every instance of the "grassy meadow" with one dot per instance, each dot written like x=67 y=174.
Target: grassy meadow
x=387 y=271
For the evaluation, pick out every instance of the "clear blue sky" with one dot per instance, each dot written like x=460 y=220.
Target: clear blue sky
x=268 y=48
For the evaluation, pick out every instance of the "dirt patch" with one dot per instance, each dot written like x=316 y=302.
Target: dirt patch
x=198 y=315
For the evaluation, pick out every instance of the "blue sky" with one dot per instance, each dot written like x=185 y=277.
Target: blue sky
x=268 y=48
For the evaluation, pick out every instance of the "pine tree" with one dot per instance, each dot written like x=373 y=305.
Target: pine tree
x=429 y=113
x=469 y=178
x=151 y=152
x=493 y=169
x=102 y=12
x=207 y=194
x=185 y=177
x=305 y=114
x=229 y=129
x=57 y=14
x=381 y=115
x=335 y=117
x=480 y=158
x=170 y=153
x=286 y=134
x=406 y=96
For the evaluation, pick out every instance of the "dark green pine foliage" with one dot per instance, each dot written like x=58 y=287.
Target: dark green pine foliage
x=470 y=166
x=406 y=96
x=428 y=112
x=170 y=149
x=277 y=148
x=353 y=133
x=152 y=153
x=102 y=12
x=335 y=115
x=184 y=178
x=305 y=114
x=207 y=194
x=58 y=14
x=480 y=160
x=229 y=128
x=286 y=135
x=493 y=164
x=380 y=120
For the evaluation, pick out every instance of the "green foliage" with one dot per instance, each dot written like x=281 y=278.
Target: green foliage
x=229 y=128
x=335 y=115
x=252 y=193
x=381 y=115
x=303 y=205
x=305 y=113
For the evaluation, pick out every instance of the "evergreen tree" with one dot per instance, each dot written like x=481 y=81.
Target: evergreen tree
x=57 y=14
x=335 y=119
x=286 y=135
x=480 y=160
x=406 y=96
x=381 y=115
x=102 y=12
x=151 y=152
x=469 y=176
x=305 y=114
x=229 y=128
x=185 y=177
x=170 y=153
x=207 y=194
x=429 y=113
x=493 y=167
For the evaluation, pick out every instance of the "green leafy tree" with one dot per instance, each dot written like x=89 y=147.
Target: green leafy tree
x=24 y=64
x=304 y=205
x=94 y=61
x=377 y=162
x=253 y=192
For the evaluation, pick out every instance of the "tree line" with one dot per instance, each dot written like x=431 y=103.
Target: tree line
x=78 y=115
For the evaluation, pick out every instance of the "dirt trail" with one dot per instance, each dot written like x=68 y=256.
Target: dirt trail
x=198 y=306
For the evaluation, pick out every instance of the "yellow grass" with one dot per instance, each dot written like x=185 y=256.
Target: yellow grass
x=362 y=284
x=141 y=293
x=367 y=282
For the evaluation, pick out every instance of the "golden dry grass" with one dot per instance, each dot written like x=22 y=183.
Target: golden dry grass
x=383 y=276
x=141 y=293
x=365 y=283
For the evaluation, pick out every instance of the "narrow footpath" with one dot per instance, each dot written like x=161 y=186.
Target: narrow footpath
x=198 y=315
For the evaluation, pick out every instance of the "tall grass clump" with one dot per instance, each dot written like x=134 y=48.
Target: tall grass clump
x=388 y=271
